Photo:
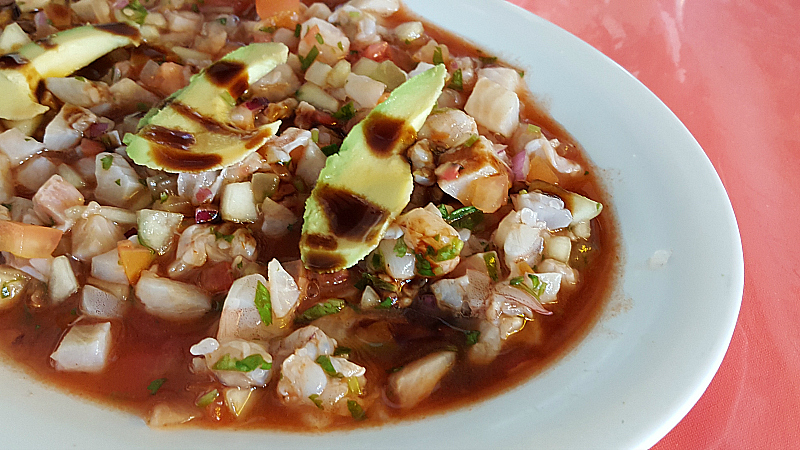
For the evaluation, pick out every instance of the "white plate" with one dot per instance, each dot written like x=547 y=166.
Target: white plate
x=640 y=369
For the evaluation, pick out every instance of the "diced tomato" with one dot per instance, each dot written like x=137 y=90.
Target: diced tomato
x=91 y=148
x=378 y=52
x=134 y=259
x=216 y=277
x=282 y=13
x=28 y=241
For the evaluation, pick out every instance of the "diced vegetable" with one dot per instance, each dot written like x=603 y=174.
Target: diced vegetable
x=316 y=96
x=28 y=241
x=364 y=90
x=238 y=203
x=157 y=229
x=171 y=300
x=12 y=285
x=134 y=259
x=558 y=248
x=84 y=348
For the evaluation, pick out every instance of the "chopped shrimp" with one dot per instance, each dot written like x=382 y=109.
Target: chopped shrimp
x=422 y=163
x=229 y=360
x=476 y=175
x=334 y=44
x=199 y=244
x=303 y=373
x=520 y=236
x=449 y=128
x=432 y=239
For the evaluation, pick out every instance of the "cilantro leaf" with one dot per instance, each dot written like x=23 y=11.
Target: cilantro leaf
x=472 y=337
x=155 y=385
x=331 y=149
x=356 y=411
x=106 y=161
x=316 y=400
x=437 y=56
x=263 y=303
x=324 y=361
x=345 y=113
x=332 y=306
x=306 y=61
x=492 y=267
x=457 y=81
x=400 y=248
x=207 y=399
x=248 y=364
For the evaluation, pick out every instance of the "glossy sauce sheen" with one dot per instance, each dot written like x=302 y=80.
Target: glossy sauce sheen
x=385 y=135
x=230 y=75
x=147 y=348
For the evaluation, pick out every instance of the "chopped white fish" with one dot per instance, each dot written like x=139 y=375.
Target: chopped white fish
x=170 y=299
x=94 y=235
x=101 y=304
x=277 y=218
x=106 y=266
x=475 y=175
x=63 y=281
x=53 y=199
x=283 y=290
x=84 y=348
x=66 y=129
x=399 y=262
x=117 y=182
x=494 y=106
x=448 y=128
x=19 y=147
x=416 y=381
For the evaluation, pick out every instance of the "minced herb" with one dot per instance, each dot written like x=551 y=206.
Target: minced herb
x=248 y=364
x=207 y=399
x=107 y=161
x=331 y=306
x=331 y=149
x=263 y=303
x=135 y=12
x=155 y=385
x=457 y=81
x=345 y=113
x=472 y=337
x=356 y=411
x=400 y=248
x=437 y=56
x=324 y=361
x=305 y=62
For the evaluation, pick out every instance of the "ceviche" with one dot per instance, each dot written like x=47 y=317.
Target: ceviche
x=282 y=214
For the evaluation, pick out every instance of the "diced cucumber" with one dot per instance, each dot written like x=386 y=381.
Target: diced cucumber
x=238 y=203
x=316 y=96
x=157 y=229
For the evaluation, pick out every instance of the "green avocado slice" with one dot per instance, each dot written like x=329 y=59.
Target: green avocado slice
x=57 y=56
x=364 y=187
x=192 y=131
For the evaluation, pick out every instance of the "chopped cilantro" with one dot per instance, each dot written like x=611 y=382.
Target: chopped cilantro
x=423 y=266
x=107 y=161
x=269 y=30
x=297 y=29
x=443 y=211
x=155 y=385
x=163 y=197
x=248 y=364
x=118 y=182
x=135 y=12
x=340 y=45
x=375 y=281
x=450 y=251
x=521 y=73
x=468 y=217
x=263 y=303
x=457 y=81
x=437 y=55
x=533 y=129
x=331 y=306
x=315 y=135
x=354 y=14
x=586 y=172
x=324 y=361
x=377 y=261
x=342 y=351
x=141 y=106
x=80 y=78
x=536 y=289
x=472 y=140
x=400 y=248
x=222 y=21
x=319 y=39
x=385 y=304
x=207 y=399
x=356 y=411
x=315 y=399
x=472 y=337
x=488 y=59
x=305 y=62
x=218 y=235
x=331 y=149
x=492 y=267
x=345 y=113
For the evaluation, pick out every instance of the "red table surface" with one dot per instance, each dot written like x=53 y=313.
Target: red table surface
x=730 y=70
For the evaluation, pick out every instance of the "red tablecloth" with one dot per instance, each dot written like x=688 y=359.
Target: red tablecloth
x=730 y=70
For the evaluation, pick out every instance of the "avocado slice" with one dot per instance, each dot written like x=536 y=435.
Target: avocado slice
x=56 y=56
x=364 y=187
x=192 y=131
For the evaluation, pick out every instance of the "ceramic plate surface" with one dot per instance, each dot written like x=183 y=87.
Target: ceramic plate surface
x=639 y=370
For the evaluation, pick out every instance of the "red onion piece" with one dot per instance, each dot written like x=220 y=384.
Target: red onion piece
x=119 y=4
x=206 y=214
x=518 y=166
x=96 y=129
x=256 y=103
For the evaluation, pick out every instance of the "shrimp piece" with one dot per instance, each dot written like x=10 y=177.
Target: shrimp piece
x=198 y=244
x=416 y=381
x=236 y=363
x=475 y=175
x=449 y=128
x=433 y=240
x=521 y=238
x=467 y=295
x=54 y=198
x=311 y=376
x=422 y=163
